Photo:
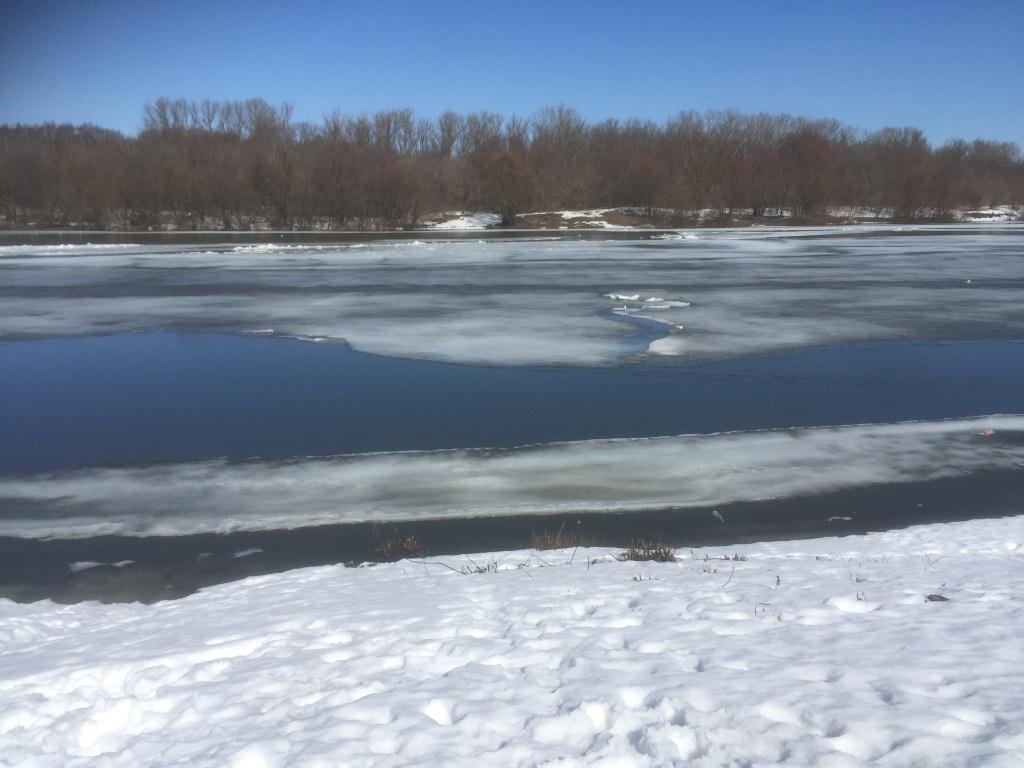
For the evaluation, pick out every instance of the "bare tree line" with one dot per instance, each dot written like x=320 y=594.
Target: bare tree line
x=242 y=164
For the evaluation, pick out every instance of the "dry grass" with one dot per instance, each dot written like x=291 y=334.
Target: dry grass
x=643 y=549
x=391 y=545
x=560 y=539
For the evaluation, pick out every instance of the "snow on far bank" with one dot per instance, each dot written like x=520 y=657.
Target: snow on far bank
x=595 y=217
x=823 y=652
x=591 y=217
x=996 y=215
x=479 y=220
x=619 y=475
x=589 y=214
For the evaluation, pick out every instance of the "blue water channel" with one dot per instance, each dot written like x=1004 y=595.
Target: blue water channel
x=71 y=402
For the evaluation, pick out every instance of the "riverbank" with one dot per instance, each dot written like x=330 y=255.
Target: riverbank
x=894 y=648
x=154 y=568
x=629 y=218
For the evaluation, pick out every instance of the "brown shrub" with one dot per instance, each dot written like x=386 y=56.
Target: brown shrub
x=642 y=549
x=560 y=539
x=391 y=545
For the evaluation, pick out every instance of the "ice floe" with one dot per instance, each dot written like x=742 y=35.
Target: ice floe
x=85 y=565
x=618 y=475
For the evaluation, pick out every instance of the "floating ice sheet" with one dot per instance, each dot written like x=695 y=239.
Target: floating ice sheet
x=590 y=476
x=537 y=301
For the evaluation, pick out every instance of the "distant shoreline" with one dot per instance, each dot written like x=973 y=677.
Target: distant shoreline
x=72 y=236
x=596 y=220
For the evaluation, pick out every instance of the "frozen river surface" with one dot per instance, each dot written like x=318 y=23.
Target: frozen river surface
x=537 y=301
x=645 y=339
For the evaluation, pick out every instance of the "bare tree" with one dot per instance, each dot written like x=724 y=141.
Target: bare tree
x=240 y=164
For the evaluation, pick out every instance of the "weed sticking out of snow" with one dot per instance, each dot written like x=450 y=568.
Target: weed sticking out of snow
x=389 y=544
x=467 y=566
x=563 y=538
x=646 y=550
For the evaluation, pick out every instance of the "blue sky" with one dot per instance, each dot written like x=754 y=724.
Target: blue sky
x=951 y=69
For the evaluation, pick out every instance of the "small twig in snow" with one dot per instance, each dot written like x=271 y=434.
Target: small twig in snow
x=729 y=579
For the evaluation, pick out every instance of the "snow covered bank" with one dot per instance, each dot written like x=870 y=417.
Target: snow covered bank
x=539 y=301
x=480 y=220
x=824 y=652
x=589 y=476
x=998 y=214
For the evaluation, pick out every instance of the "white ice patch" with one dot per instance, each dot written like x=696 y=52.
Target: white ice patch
x=260 y=248
x=590 y=476
x=820 y=652
x=669 y=346
x=85 y=565
x=662 y=304
x=65 y=249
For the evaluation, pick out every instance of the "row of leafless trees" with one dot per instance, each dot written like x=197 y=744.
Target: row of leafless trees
x=239 y=164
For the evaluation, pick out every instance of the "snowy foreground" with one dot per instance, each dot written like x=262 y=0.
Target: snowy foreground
x=822 y=652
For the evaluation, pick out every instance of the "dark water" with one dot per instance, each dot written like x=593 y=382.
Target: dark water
x=169 y=567
x=73 y=402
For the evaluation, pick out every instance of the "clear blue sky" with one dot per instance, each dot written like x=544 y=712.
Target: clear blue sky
x=949 y=68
